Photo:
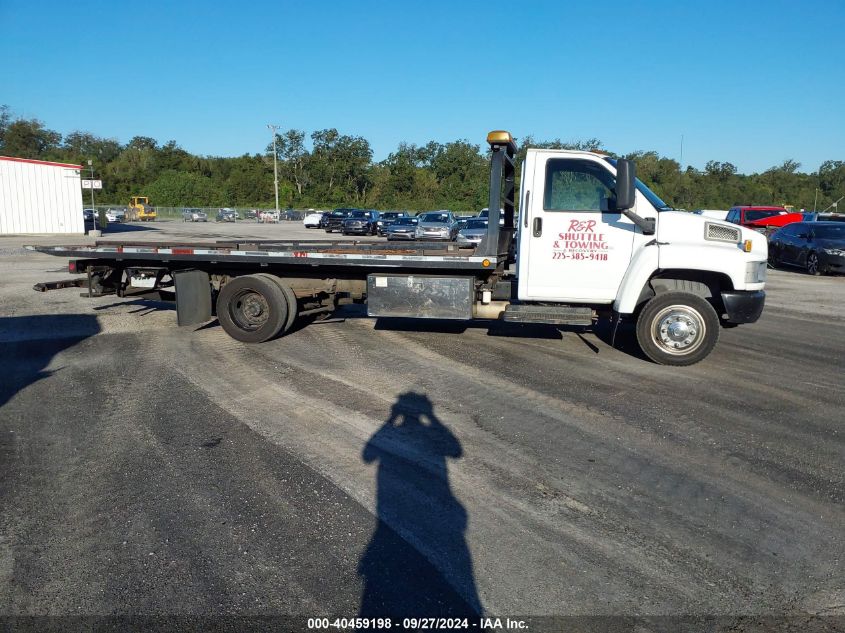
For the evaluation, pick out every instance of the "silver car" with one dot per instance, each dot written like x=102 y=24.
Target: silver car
x=473 y=232
x=436 y=225
x=194 y=215
x=401 y=229
x=116 y=215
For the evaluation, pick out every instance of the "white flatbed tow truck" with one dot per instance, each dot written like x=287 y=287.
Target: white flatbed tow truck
x=591 y=241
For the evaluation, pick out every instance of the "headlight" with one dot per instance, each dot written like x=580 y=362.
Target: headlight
x=755 y=272
x=834 y=251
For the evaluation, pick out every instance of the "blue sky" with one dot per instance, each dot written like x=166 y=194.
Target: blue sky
x=748 y=82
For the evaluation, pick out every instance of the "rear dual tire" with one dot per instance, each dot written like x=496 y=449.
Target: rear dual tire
x=255 y=308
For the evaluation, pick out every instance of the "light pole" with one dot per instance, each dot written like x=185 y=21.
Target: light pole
x=275 y=165
x=91 y=165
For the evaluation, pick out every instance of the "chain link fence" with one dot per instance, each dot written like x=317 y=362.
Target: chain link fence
x=244 y=213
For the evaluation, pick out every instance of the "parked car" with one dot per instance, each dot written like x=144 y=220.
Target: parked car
x=313 y=219
x=401 y=229
x=194 y=215
x=269 y=216
x=485 y=213
x=361 y=223
x=817 y=247
x=334 y=220
x=815 y=216
x=251 y=214
x=90 y=219
x=386 y=218
x=116 y=215
x=227 y=215
x=760 y=217
x=436 y=225
x=473 y=232
x=291 y=215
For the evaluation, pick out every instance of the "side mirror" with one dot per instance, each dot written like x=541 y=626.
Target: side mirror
x=626 y=190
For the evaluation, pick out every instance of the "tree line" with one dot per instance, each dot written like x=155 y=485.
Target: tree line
x=326 y=168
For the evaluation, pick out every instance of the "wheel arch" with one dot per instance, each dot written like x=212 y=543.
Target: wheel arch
x=706 y=284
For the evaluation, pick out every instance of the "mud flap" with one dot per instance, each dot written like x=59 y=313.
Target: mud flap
x=193 y=297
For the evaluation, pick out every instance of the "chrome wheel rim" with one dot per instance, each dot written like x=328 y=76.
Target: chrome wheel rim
x=678 y=329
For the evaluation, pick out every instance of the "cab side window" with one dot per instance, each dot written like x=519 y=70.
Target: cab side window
x=578 y=185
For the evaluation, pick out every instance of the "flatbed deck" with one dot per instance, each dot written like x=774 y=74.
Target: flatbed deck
x=413 y=255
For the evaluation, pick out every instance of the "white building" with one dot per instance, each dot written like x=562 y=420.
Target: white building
x=37 y=196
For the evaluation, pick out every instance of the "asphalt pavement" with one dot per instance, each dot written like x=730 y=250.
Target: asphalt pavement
x=362 y=467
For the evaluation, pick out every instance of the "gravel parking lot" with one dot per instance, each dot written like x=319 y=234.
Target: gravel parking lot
x=362 y=466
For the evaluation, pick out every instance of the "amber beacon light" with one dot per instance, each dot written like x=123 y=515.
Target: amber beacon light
x=499 y=136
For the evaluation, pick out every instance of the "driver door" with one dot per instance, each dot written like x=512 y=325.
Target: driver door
x=573 y=246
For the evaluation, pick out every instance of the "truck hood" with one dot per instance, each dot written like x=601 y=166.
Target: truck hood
x=680 y=227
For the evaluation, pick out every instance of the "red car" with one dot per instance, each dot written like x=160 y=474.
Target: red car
x=759 y=217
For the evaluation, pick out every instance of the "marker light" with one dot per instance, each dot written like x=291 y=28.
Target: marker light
x=746 y=246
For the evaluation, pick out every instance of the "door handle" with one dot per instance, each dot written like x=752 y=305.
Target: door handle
x=538 y=227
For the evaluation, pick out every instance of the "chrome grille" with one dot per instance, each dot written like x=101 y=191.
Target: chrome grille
x=721 y=233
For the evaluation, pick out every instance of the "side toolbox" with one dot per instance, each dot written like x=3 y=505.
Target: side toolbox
x=420 y=296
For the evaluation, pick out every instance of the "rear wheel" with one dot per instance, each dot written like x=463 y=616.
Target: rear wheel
x=677 y=328
x=252 y=308
x=290 y=300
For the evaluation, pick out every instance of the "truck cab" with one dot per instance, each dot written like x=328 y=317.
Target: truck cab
x=592 y=235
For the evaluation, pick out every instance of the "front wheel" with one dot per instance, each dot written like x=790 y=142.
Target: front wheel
x=677 y=328
x=813 y=267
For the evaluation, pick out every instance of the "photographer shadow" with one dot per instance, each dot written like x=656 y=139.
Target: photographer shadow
x=417 y=563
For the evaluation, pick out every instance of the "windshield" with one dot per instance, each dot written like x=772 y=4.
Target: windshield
x=434 y=217
x=405 y=221
x=476 y=224
x=359 y=214
x=830 y=232
x=652 y=197
x=750 y=216
x=340 y=212
x=391 y=214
